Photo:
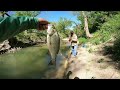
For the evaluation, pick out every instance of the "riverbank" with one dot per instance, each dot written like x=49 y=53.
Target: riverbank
x=32 y=62
x=11 y=46
x=92 y=63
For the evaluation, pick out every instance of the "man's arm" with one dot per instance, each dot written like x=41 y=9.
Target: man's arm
x=12 y=25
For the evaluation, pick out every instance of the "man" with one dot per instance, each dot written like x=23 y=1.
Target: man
x=13 y=25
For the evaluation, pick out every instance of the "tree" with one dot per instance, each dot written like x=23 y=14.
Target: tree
x=86 y=25
x=97 y=18
x=77 y=29
x=83 y=17
x=63 y=26
x=27 y=13
x=30 y=33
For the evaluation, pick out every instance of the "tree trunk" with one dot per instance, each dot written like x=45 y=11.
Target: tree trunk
x=86 y=26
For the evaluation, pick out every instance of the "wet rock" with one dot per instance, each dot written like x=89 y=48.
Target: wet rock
x=4 y=45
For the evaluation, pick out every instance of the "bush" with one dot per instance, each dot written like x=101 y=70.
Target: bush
x=107 y=30
x=82 y=40
x=116 y=48
x=28 y=36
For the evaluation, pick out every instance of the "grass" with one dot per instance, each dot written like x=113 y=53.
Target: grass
x=82 y=40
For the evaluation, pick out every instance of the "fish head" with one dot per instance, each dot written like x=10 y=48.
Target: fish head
x=51 y=29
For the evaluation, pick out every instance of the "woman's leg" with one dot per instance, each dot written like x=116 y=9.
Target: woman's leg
x=72 y=50
x=75 y=50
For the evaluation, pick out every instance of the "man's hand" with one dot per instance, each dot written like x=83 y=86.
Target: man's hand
x=43 y=24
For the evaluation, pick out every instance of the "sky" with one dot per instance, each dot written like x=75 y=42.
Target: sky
x=54 y=16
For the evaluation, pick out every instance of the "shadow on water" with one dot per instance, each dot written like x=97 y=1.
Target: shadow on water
x=28 y=63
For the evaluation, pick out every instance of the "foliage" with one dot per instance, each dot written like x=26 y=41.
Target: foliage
x=30 y=34
x=107 y=30
x=116 y=49
x=63 y=26
x=95 y=18
x=78 y=31
x=82 y=40
x=27 y=13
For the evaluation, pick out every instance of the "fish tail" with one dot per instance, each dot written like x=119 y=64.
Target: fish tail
x=52 y=62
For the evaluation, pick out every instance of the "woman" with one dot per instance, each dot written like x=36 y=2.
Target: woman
x=74 y=42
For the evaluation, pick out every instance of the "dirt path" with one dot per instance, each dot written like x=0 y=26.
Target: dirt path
x=90 y=63
x=94 y=64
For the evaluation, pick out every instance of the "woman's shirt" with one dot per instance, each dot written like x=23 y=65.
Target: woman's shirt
x=74 y=40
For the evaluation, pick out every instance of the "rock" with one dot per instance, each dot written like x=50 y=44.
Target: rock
x=4 y=45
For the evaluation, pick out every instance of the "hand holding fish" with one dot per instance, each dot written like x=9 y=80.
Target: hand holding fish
x=43 y=24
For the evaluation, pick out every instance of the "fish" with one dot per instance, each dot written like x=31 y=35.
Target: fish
x=53 y=43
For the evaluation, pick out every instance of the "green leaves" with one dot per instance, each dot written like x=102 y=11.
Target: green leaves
x=27 y=13
x=30 y=34
x=107 y=30
x=63 y=26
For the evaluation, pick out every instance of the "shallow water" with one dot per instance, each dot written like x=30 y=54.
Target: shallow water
x=28 y=63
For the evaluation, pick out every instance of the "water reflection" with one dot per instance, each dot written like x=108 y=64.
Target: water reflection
x=28 y=63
